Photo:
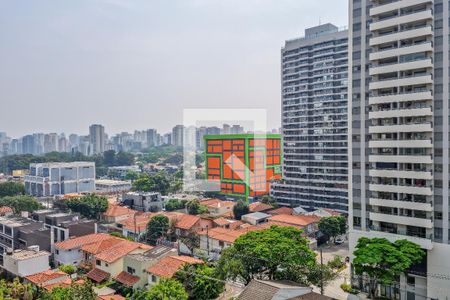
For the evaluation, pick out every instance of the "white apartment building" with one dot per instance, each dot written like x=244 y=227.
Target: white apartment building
x=55 y=178
x=314 y=120
x=399 y=134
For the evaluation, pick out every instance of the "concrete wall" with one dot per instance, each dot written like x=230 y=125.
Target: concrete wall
x=65 y=257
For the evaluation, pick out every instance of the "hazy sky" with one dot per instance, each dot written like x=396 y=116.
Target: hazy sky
x=65 y=64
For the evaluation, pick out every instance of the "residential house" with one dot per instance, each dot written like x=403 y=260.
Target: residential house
x=281 y=211
x=69 y=252
x=259 y=207
x=135 y=266
x=23 y=263
x=277 y=290
x=110 y=260
x=6 y=211
x=255 y=218
x=168 y=266
x=217 y=207
x=309 y=224
x=323 y=212
x=143 y=201
x=116 y=213
x=47 y=277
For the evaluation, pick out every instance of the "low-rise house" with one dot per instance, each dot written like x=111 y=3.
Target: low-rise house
x=110 y=260
x=323 y=212
x=213 y=241
x=217 y=207
x=116 y=213
x=135 y=226
x=136 y=265
x=69 y=252
x=107 y=186
x=277 y=290
x=168 y=266
x=143 y=201
x=299 y=210
x=259 y=207
x=309 y=224
x=281 y=211
x=255 y=218
x=23 y=263
x=47 y=277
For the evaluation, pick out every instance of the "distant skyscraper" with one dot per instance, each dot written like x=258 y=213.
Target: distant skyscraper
x=97 y=138
x=151 y=135
x=226 y=129
x=167 y=139
x=314 y=120
x=28 y=145
x=177 y=135
x=236 y=129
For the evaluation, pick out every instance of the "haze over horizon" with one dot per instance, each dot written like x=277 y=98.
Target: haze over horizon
x=136 y=64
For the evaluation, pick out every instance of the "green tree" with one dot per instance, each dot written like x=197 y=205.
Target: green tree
x=21 y=203
x=90 y=206
x=383 y=261
x=156 y=183
x=166 y=289
x=68 y=269
x=157 y=227
x=333 y=226
x=195 y=208
x=174 y=204
x=200 y=281
x=240 y=209
x=266 y=199
x=270 y=253
x=132 y=175
x=124 y=158
x=109 y=158
x=11 y=188
x=15 y=290
x=74 y=292
x=191 y=240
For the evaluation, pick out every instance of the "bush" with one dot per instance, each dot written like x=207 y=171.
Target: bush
x=337 y=262
x=68 y=269
x=347 y=287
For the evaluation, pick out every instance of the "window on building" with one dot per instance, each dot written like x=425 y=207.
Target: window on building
x=131 y=270
x=98 y=262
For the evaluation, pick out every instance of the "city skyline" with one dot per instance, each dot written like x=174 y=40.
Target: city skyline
x=130 y=67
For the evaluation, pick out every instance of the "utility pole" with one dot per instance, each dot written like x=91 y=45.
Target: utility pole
x=207 y=239
x=321 y=272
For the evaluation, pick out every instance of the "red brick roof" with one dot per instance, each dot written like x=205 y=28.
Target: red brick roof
x=299 y=220
x=115 y=210
x=221 y=222
x=42 y=277
x=95 y=248
x=111 y=297
x=186 y=221
x=167 y=266
x=258 y=207
x=281 y=211
x=63 y=284
x=119 y=250
x=127 y=279
x=223 y=234
x=97 y=275
x=217 y=203
x=82 y=240
x=5 y=210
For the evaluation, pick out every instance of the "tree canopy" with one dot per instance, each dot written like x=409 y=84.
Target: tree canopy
x=175 y=204
x=200 y=281
x=240 y=209
x=21 y=203
x=157 y=227
x=333 y=226
x=272 y=253
x=195 y=208
x=89 y=206
x=11 y=188
x=383 y=261
x=74 y=292
x=266 y=199
x=156 y=183
x=15 y=290
x=166 y=289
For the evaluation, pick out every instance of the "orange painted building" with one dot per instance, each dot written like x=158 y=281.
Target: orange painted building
x=243 y=163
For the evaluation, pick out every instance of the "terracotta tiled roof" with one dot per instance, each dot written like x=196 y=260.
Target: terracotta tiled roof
x=82 y=240
x=186 y=221
x=42 y=277
x=5 y=210
x=63 y=284
x=120 y=250
x=115 y=210
x=217 y=203
x=137 y=222
x=97 y=275
x=167 y=266
x=95 y=248
x=299 y=220
x=221 y=222
x=236 y=224
x=281 y=211
x=223 y=234
x=126 y=279
x=258 y=206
